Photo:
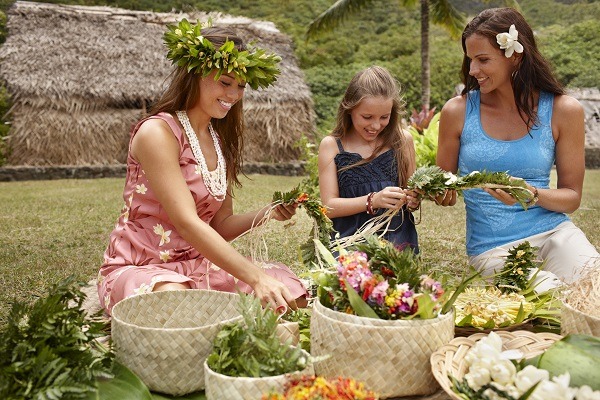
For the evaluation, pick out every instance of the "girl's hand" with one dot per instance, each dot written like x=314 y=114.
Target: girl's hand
x=391 y=197
x=284 y=212
x=272 y=293
x=448 y=198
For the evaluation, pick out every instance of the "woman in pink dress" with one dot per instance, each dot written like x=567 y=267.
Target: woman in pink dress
x=182 y=163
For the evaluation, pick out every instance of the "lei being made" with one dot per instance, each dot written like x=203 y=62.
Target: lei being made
x=189 y=49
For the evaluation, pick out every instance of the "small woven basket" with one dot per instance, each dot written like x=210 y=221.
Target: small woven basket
x=391 y=357
x=165 y=337
x=448 y=360
x=223 y=387
x=575 y=321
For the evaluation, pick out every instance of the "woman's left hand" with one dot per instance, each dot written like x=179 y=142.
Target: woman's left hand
x=413 y=200
x=284 y=212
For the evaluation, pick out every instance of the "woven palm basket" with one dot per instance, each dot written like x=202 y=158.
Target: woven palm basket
x=575 y=321
x=288 y=332
x=223 y=387
x=448 y=360
x=389 y=357
x=165 y=337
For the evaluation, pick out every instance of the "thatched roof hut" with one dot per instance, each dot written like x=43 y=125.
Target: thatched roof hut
x=80 y=76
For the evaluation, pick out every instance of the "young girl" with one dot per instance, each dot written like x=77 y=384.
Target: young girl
x=514 y=116
x=368 y=158
x=182 y=163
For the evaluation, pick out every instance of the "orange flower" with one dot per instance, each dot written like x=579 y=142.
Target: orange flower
x=302 y=198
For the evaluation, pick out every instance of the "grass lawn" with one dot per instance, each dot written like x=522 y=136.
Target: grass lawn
x=51 y=229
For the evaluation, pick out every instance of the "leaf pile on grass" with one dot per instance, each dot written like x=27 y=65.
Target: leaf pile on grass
x=48 y=350
x=251 y=348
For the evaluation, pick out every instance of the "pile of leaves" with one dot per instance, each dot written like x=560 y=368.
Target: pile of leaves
x=519 y=263
x=432 y=181
x=49 y=349
x=250 y=348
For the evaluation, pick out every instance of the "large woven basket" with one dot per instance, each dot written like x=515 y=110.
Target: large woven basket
x=288 y=332
x=575 y=321
x=165 y=337
x=389 y=357
x=223 y=387
x=448 y=360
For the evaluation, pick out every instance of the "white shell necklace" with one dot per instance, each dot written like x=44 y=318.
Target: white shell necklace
x=215 y=181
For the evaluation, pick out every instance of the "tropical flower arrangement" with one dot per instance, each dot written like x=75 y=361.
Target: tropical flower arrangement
x=378 y=280
x=513 y=298
x=494 y=374
x=320 y=388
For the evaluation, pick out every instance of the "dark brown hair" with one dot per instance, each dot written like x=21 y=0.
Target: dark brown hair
x=376 y=82
x=183 y=92
x=533 y=74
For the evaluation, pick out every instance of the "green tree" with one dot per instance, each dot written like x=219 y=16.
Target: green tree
x=437 y=11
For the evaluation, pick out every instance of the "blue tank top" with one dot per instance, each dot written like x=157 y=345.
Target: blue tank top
x=361 y=180
x=491 y=223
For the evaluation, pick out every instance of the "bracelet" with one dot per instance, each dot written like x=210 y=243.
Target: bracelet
x=369 y=204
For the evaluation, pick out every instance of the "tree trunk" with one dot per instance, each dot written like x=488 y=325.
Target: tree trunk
x=425 y=74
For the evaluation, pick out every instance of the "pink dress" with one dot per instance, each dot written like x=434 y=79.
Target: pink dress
x=145 y=248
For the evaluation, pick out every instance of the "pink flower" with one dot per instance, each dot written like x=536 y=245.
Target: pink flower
x=379 y=292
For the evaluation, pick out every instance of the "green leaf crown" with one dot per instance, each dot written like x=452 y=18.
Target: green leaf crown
x=189 y=49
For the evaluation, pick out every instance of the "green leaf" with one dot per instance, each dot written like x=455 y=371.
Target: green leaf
x=361 y=308
x=124 y=386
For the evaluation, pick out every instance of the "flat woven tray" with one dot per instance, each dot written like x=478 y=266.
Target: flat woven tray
x=448 y=360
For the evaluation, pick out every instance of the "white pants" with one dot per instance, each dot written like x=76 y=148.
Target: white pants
x=565 y=250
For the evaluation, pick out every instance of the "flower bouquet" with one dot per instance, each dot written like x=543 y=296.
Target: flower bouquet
x=521 y=293
x=519 y=365
x=320 y=388
x=376 y=309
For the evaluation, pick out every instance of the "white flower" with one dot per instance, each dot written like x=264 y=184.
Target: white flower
x=164 y=255
x=477 y=377
x=510 y=389
x=508 y=41
x=141 y=189
x=529 y=376
x=164 y=235
x=586 y=393
x=450 y=178
x=556 y=389
x=503 y=372
x=488 y=348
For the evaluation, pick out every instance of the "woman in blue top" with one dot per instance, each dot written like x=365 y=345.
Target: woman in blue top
x=513 y=115
x=367 y=159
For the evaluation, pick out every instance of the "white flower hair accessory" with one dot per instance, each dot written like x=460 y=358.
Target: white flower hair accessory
x=508 y=41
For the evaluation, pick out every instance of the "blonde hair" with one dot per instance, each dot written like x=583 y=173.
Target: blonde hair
x=377 y=81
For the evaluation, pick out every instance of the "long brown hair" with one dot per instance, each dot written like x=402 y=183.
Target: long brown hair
x=183 y=92
x=533 y=74
x=376 y=81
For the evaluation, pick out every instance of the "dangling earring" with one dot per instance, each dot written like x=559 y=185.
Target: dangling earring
x=514 y=74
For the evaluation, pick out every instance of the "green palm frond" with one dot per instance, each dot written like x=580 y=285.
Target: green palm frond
x=443 y=13
x=334 y=15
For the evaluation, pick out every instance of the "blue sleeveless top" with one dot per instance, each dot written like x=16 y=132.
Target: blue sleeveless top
x=361 y=180
x=491 y=223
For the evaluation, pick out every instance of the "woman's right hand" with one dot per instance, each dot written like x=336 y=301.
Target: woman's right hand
x=273 y=293
x=448 y=198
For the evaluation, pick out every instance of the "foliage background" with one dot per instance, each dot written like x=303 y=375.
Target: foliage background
x=387 y=34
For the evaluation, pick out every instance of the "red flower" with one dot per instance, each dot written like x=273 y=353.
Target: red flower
x=302 y=198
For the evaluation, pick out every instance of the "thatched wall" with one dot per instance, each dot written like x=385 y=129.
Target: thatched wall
x=80 y=77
